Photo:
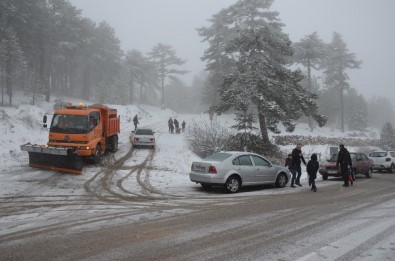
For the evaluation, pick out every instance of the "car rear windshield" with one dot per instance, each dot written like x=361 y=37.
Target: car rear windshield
x=220 y=156
x=144 y=132
x=378 y=154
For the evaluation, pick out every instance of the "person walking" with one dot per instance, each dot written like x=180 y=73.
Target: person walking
x=171 y=126
x=312 y=168
x=176 y=125
x=135 y=121
x=297 y=159
x=183 y=125
x=344 y=160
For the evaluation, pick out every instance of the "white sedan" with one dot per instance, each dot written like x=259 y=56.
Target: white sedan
x=232 y=169
x=143 y=137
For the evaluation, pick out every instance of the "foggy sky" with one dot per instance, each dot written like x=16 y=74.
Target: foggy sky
x=366 y=27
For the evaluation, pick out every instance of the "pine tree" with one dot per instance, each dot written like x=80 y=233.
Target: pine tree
x=387 y=136
x=165 y=57
x=310 y=52
x=339 y=59
x=260 y=53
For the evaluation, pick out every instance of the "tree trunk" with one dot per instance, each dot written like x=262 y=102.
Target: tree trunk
x=341 y=109
x=131 y=89
x=8 y=77
x=262 y=125
x=86 y=83
x=310 y=89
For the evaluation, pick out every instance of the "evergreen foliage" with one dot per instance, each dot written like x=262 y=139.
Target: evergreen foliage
x=165 y=58
x=258 y=53
x=387 y=137
x=339 y=59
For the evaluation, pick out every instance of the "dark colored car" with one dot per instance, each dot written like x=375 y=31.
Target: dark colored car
x=361 y=164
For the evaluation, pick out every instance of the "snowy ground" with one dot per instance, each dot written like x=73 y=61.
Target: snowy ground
x=168 y=170
x=35 y=200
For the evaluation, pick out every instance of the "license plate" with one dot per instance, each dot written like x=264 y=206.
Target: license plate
x=332 y=171
x=200 y=168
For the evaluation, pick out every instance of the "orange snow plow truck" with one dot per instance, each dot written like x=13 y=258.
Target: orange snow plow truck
x=77 y=134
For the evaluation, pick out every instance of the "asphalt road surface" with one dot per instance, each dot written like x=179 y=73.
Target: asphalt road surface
x=334 y=223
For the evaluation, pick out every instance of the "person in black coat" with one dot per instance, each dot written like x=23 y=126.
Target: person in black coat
x=312 y=168
x=344 y=160
x=297 y=159
x=135 y=121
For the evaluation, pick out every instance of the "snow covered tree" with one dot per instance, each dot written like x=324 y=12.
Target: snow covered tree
x=260 y=53
x=356 y=110
x=165 y=57
x=310 y=52
x=339 y=59
x=387 y=136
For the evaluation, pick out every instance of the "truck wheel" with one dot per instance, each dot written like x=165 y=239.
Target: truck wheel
x=97 y=157
x=114 y=143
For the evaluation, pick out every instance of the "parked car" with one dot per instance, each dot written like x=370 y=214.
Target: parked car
x=143 y=137
x=383 y=160
x=233 y=169
x=361 y=164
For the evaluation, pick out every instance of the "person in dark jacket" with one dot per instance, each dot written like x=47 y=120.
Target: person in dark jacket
x=297 y=159
x=312 y=168
x=135 y=121
x=171 y=126
x=344 y=160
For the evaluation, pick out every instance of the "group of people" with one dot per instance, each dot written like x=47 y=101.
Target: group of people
x=175 y=125
x=295 y=159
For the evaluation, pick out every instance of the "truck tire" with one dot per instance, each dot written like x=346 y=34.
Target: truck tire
x=114 y=143
x=97 y=157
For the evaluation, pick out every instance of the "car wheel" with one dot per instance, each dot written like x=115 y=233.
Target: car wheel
x=324 y=177
x=97 y=154
x=205 y=186
x=392 y=169
x=369 y=173
x=114 y=143
x=281 y=180
x=233 y=184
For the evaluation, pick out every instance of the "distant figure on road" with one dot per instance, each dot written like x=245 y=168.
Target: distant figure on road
x=135 y=121
x=183 y=125
x=312 y=169
x=171 y=126
x=344 y=160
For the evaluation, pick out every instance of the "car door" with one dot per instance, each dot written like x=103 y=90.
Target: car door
x=366 y=163
x=264 y=172
x=243 y=165
x=359 y=164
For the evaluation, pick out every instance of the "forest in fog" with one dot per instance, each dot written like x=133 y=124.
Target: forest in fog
x=49 y=50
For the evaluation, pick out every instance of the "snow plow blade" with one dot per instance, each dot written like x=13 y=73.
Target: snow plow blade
x=51 y=158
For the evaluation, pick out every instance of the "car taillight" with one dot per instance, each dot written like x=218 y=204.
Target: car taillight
x=388 y=159
x=212 y=169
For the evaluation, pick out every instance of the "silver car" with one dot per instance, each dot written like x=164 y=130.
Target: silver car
x=143 y=137
x=233 y=169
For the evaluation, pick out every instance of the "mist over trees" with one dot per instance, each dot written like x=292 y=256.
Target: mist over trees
x=48 y=50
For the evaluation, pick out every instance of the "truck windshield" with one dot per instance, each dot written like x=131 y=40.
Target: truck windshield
x=71 y=124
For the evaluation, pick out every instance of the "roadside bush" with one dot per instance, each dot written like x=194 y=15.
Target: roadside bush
x=205 y=138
